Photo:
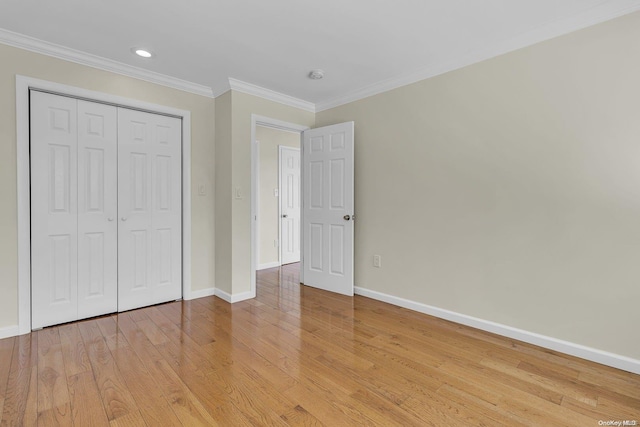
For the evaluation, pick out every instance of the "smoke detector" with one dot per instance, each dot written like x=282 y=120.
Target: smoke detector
x=316 y=74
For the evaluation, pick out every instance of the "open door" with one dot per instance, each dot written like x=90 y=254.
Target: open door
x=289 y=190
x=327 y=212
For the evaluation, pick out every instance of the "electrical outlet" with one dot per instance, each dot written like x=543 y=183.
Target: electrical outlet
x=377 y=261
x=275 y=243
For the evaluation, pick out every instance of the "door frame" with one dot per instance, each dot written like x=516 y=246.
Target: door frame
x=23 y=85
x=257 y=120
x=280 y=149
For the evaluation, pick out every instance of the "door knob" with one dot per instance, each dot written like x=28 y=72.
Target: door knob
x=346 y=217
x=124 y=218
x=110 y=219
x=285 y=216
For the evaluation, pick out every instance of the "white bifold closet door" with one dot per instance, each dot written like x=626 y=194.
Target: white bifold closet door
x=73 y=208
x=105 y=209
x=149 y=209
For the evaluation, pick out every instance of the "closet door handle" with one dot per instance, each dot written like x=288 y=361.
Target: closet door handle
x=110 y=219
x=124 y=218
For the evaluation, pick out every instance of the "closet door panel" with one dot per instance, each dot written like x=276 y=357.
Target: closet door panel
x=134 y=211
x=54 y=250
x=97 y=209
x=167 y=207
x=149 y=205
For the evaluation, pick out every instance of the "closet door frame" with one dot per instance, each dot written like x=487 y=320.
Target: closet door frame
x=23 y=86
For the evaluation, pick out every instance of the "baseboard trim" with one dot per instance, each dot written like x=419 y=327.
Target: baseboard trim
x=235 y=297
x=201 y=293
x=9 y=331
x=599 y=356
x=268 y=265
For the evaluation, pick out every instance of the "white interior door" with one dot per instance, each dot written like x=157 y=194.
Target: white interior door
x=97 y=209
x=73 y=192
x=149 y=209
x=54 y=209
x=289 y=160
x=327 y=162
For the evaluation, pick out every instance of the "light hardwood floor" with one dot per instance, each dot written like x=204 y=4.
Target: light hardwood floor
x=297 y=356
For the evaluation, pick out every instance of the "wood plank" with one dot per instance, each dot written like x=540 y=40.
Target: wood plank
x=132 y=419
x=20 y=402
x=74 y=352
x=86 y=405
x=152 y=405
x=298 y=416
x=188 y=409
x=6 y=354
x=116 y=398
x=52 y=379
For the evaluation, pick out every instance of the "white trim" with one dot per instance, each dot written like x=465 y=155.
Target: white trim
x=232 y=299
x=600 y=13
x=280 y=205
x=566 y=347
x=23 y=84
x=255 y=186
x=186 y=204
x=271 y=95
x=24 y=205
x=273 y=124
x=254 y=236
x=201 y=293
x=268 y=122
x=67 y=54
x=301 y=274
x=266 y=265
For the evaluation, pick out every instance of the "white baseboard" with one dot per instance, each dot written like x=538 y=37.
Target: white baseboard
x=9 y=331
x=235 y=297
x=578 y=350
x=268 y=265
x=201 y=293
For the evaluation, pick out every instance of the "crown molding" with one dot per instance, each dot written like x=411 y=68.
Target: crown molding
x=597 y=14
x=602 y=12
x=50 y=49
x=271 y=95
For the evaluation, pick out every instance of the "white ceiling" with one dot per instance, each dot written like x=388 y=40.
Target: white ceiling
x=365 y=46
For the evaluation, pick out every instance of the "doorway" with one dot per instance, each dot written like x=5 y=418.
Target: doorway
x=278 y=210
x=327 y=198
x=258 y=124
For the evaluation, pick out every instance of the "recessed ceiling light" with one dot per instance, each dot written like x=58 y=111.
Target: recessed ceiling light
x=316 y=74
x=142 y=52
